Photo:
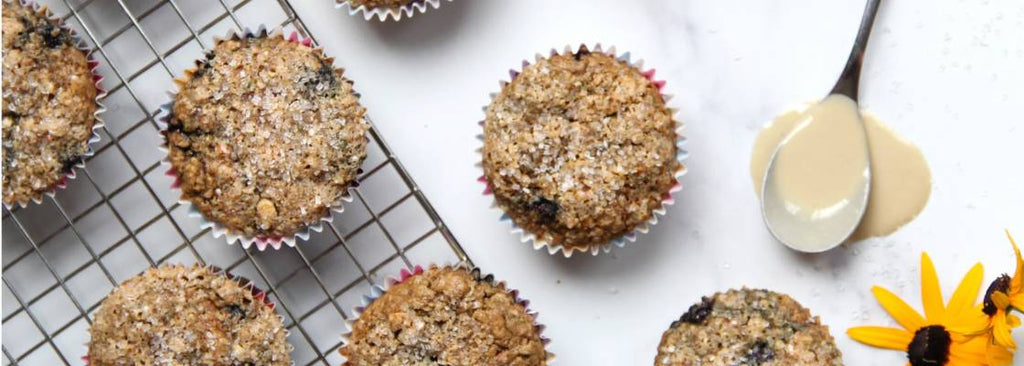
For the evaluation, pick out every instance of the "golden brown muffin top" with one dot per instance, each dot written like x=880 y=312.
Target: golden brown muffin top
x=445 y=316
x=49 y=103
x=176 y=315
x=579 y=149
x=747 y=327
x=266 y=135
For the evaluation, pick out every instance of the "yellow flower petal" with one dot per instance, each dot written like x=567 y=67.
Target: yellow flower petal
x=899 y=310
x=961 y=360
x=891 y=338
x=998 y=356
x=1017 y=283
x=970 y=323
x=965 y=294
x=1017 y=301
x=971 y=352
x=1001 y=331
x=931 y=293
x=1000 y=300
x=1013 y=321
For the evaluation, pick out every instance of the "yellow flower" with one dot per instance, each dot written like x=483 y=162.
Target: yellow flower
x=995 y=354
x=1002 y=294
x=947 y=335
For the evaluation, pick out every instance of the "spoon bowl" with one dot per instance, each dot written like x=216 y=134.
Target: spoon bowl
x=818 y=179
x=816 y=186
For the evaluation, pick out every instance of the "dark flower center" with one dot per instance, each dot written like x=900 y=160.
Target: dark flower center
x=930 y=346
x=1001 y=284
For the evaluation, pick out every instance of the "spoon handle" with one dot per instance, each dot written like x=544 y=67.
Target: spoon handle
x=850 y=78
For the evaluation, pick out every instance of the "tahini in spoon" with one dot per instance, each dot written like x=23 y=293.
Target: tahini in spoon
x=816 y=186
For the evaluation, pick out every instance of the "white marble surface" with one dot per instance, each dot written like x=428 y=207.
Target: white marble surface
x=946 y=74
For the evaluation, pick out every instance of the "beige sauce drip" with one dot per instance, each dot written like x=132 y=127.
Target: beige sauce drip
x=900 y=177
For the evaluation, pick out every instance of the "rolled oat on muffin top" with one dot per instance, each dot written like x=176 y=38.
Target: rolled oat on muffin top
x=747 y=327
x=265 y=136
x=580 y=149
x=176 y=315
x=49 y=103
x=445 y=316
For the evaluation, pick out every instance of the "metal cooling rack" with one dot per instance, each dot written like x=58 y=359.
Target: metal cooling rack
x=120 y=217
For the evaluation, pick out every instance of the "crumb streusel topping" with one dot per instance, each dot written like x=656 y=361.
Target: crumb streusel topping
x=445 y=316
x=176 y=315
x=49 y=103
x=266 y=135
x=747 y=327
x=579 y=149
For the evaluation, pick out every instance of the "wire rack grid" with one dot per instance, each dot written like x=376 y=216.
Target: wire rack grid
x=120 y=217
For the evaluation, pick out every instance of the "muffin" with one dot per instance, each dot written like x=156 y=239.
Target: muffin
x=50 y=103
x=391 y=4
x=580 y=149
x=747 y=327
x=445 y=316
x=387 y=9
x=265 y=136
x=176 y=315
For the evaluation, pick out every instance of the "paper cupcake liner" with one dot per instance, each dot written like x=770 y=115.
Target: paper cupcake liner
x=218 y=230
x=257 y=294
x=376 y=291
x=97 y=125
x=667 y=199
x=383 y=13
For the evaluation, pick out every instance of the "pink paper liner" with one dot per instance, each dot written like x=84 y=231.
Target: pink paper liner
x=384 y=14
x=643 y=228
x=262 y=242
x=97 y=125
x=257 y=294
x=377 y=291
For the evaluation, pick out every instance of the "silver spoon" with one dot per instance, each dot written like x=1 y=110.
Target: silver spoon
x=827 y=231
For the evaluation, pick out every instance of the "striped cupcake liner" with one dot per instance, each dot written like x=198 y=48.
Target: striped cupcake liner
x=218 y=230
x=376 y=291
x=97 y=125
x=384 y=13
x=540 y=242
x=257 y=295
